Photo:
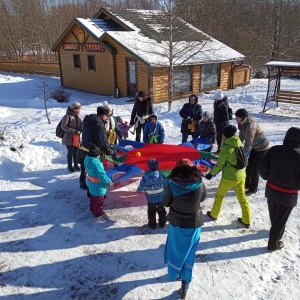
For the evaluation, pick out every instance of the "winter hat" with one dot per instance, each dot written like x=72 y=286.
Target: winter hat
x=106 y=105
x=101 y=110
x=292 y=137
x=75 y=105
x=207 y=114
x=219 y=95
x=241 y=113
x=94 y=151
x=141 y=94
x=153 y=164
x=184 y=162
x=153 y=116
x=229 y=131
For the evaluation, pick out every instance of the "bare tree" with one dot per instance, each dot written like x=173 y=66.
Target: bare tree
x=44 y=93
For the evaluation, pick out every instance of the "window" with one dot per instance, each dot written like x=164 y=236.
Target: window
x=91 y=62
x=182 y=79
x=76 y=61
x=210 y=76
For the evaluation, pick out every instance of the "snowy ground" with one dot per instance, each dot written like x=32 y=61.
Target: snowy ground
x=52 y=248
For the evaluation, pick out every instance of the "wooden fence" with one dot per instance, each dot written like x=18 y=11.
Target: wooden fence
x=42 y=68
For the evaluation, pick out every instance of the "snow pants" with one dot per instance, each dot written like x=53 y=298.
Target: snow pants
x=278 y=216
x=252 y=176
x=239 y=189
x=162 y=214
x=96 y=205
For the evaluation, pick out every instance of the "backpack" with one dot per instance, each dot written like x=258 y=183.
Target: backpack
x=59 y=132
x=241 y=158
x=230 y=113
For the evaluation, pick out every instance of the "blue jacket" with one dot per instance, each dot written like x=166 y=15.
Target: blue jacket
x=95 y=169
x=153 y=182
x=155 y=131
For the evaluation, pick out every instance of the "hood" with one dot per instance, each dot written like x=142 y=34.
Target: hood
x=193 y=95
x=91 y=120
x=233 y=141
x=70 y=111
x=292 y=138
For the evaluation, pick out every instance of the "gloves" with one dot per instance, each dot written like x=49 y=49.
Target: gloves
x=77 y=132
x=208 y=176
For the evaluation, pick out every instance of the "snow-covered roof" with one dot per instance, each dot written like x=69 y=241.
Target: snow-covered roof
x=283 y=64
x=145 y=34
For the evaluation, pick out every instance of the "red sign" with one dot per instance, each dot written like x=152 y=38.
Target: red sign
x=94 y=47
x=71 y=46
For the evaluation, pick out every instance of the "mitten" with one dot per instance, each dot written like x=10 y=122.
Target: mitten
x=208 y=176
x=77 y=132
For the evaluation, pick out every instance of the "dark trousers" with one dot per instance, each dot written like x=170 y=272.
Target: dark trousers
x=278 y=216
x=219 y=133
x=138 y=132
x=72 y=155
x=82 y=173
x=162 y=214
x=252 y=176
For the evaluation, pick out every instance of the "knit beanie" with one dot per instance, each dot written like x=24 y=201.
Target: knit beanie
x=141 y=94
x=75 y=105
x=101 y=110
x=219 y=95
x=153 y=116
x=207 y=114
x=241 y=113
x=94 y=151
x=184 y=162
x=106 y=105
x=153 y=164
x=229 y=131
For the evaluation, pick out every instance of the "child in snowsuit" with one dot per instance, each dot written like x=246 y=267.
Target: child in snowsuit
x=154 y=132
x=153 y=182
x=124 y=127
x=96 y=180
x=207 y=130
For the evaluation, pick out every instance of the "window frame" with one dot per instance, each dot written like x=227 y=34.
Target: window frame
x=93 y=66
x=185 y=82
x=216 y=80
x=77 y=61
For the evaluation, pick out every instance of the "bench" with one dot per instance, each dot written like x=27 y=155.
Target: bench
x=288 y=97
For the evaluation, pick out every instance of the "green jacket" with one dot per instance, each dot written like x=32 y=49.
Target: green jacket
x=226 y=155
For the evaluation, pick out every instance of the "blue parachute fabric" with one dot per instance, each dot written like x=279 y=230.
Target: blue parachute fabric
x=133 y=144
x=197 y=146
x=200 y=143
x=122 y=148
x=202 y=161
x=122 y=172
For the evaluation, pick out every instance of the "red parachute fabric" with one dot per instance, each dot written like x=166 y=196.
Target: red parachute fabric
x=167 y=155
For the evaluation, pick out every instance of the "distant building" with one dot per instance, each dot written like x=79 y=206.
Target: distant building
x=118 y=52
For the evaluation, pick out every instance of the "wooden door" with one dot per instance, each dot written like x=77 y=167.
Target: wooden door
x=131 y=74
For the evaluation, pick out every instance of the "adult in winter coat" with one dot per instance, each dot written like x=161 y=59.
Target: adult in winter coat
x=191 y=114
x=112 y=128
x=183 y=195
x=71 y=124
x=231 y=177
x=97 y=180
x=154 y=132
x=207 y=130
x=94 y=132
x=255 y=146
x=280 y=166
x=153 y=183
x=221 y=115
x=141 y=112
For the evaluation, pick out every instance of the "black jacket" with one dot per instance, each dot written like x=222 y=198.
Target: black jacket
x=185 y=210
x=221 y=116
x=281 y=166
x=93 y=131
x=194 y=111
x=141 y=108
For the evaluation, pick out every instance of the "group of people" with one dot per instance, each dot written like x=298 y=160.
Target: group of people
x=183 y=190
